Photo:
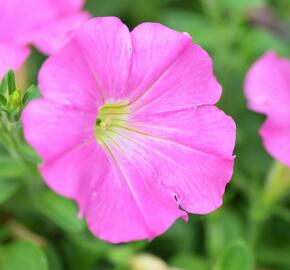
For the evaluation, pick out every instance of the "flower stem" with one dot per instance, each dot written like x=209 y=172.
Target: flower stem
x=13 y=143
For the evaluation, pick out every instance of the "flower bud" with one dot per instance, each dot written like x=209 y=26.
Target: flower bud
x=14 y=102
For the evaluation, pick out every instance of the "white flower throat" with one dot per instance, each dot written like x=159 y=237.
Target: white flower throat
x=111 y=118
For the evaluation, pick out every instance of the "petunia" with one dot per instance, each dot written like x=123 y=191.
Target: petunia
x=267 y=88
x=43 y=23
x=127 y=127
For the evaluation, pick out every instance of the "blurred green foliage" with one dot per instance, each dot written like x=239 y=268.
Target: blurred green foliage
x=40 y=230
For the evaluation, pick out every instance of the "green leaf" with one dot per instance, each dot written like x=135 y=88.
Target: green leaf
x=188 y=261
x=9 y=168
x=84 y=251
x=274 y=255
x=3 y=85
x=22 y=255
x=11 y=82
x=3 y=100
x=14 y=102
x=60 y=211
x=222 y=227
x=278 y=183
x=89 y=245
x=241 y=5
x=121 y=255
x=53 y=258
x=237 y=256
x=8 y=187
x=182 y=237
x=4 y=235
x=31 y=93
x=30 y=154
x=257 y=41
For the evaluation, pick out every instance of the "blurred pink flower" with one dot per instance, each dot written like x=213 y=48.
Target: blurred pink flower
x=128 y=129
x=267 y=88
x=43 y=23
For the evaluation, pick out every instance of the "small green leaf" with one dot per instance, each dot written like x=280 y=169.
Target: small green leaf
x=237 y=256
x=14 y=102
x=7 y=188
x=31 y=93
x=59 y=210
x=22 y=255
x=11 y=82
x=30 y=154
x=3 y=85
x=3 y=100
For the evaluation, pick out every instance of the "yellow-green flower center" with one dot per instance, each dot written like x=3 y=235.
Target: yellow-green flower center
x=110 y=118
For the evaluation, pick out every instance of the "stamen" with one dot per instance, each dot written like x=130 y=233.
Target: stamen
x=98 y=121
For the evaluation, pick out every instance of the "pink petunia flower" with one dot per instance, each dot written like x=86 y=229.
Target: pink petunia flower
x=267 y=88
x=43 y=23
x=127 y=128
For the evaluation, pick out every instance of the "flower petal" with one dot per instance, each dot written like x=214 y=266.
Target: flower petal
x=106 y=193
x=267 y=86
x=145 y=207
x=53 y=129
x=68 y=6
x=276 y=139
x=205 y=128
x=67 y=78
x=16 y=20
x=53 y=36
x=169 y=71
x=11 y=57
x=48 y=26
x=197 y=179
x=106 y=45
x=73 y=173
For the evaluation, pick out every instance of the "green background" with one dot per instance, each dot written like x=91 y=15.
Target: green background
x=39 y=230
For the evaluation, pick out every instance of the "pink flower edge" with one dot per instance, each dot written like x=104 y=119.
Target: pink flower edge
x=267 y=88
x=48 y=29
